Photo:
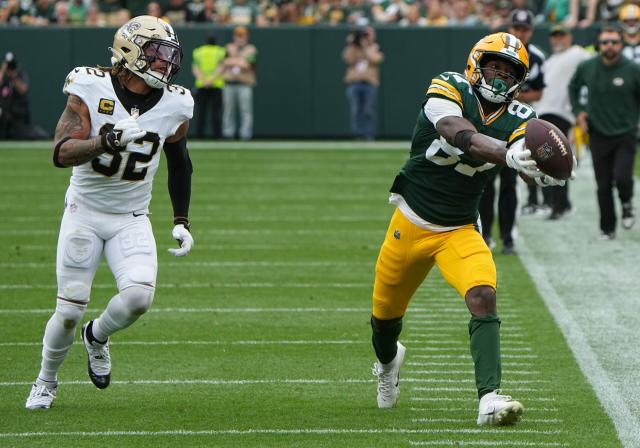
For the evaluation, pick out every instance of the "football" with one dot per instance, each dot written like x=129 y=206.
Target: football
x=549 y=148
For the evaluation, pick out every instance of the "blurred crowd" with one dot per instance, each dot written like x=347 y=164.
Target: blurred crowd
x=490 y=13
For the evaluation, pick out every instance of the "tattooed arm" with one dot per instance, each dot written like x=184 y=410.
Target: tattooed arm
x=72 y=145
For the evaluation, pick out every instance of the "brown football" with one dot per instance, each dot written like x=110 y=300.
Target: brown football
x=549 y=148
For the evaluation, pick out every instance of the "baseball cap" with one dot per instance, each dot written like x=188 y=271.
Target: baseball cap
x=558 y=29
x=521 y=17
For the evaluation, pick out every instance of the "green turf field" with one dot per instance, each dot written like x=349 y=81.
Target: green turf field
x=260 y=338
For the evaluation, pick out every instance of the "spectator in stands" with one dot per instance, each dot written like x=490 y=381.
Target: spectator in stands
x=12 y=13
x=209 y=13
x=584 y=16
x=206 y=68
x=178 y=13
x=77 y=12
x=359 y=11
x=61 y=11
x=558 y=11
x=503 y=9
x=363 y=57
x=195 y=7
x=155 y=10
x=333 y=12
x=41 y=13
x=488 y=14
x=309 y=12
x=239 y=72
x=94 y=18
x=15 y=120
x=554 y=106
x=435 y=13
x=413 y=16
x=461 y=14
x=110 y=12
x=242 y=13
x=611 y=117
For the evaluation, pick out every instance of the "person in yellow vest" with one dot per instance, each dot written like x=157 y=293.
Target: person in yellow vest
x=206 y=69
x=239 y=71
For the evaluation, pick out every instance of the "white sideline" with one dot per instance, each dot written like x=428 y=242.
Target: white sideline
x=590 y=288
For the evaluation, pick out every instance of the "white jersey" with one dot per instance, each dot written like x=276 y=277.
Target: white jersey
x=121 y=183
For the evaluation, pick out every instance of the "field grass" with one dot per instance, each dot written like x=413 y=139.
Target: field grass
x=260 y=338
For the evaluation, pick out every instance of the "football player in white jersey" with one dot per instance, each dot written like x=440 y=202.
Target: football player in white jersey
x=115 y=121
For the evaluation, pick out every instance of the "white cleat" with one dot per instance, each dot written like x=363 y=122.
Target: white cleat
x=41 y=397
x=499 y=410
x=99 y=359
x=388 y=379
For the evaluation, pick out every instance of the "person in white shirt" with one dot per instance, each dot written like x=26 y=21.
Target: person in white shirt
x=554 y=105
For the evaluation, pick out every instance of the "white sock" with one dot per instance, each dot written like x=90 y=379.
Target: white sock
x=123 y=310
x=58 y=338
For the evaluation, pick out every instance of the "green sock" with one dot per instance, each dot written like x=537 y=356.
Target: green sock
x=385 y=338
x=484 y=333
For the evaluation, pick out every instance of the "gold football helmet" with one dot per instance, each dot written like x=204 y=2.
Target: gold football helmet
x=149 y=48
x=630 y=18
x=499 y=45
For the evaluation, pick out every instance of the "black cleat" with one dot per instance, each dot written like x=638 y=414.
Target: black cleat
x=99 y=360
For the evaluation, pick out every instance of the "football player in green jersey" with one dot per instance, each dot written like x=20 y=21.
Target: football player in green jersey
x=469 y=126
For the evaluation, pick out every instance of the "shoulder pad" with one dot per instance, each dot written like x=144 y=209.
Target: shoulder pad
x=451 y=86
x=80 y=77
x=183 y=99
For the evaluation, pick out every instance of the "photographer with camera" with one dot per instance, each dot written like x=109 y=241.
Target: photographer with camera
x=14 y=104
x=363 y=58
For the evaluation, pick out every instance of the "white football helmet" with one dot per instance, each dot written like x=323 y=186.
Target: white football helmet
x=149 y=48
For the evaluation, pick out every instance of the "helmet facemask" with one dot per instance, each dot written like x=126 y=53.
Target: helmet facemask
x=499 y=86
x=631 y=27
x=149 y=48
x=160 y=62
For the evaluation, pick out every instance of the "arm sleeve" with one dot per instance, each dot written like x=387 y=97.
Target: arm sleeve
x=438 y=108
x=179 y=169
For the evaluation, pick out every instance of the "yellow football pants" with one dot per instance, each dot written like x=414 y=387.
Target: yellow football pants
x=408 y=254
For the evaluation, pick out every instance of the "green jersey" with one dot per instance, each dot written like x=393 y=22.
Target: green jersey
x=439 y=182
x=612 y=97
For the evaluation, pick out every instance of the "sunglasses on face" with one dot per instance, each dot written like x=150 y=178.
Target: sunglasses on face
x=609 y=42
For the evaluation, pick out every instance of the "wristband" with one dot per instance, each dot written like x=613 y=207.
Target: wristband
x=182 y=220
x=462 y=140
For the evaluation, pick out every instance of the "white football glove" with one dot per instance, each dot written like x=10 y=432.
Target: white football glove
x=519 y=158
x=548 y=181
x=124 y=132
x=184 y=238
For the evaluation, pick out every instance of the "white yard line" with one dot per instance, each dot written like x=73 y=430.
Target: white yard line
x=590 y=288
x=168 y=343
x=269 y=145
x=275 y=431
x=207 y=285
x=448 y=442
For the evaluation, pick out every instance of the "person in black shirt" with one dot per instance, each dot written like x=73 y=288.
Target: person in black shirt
x=521 y=26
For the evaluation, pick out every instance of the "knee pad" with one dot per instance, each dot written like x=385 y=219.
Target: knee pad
x=75 y=290
x=69 y=314
x=137 y=293
x=138 y=298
